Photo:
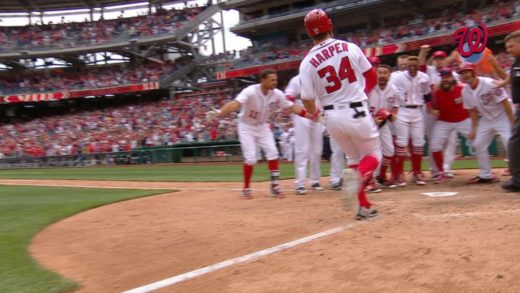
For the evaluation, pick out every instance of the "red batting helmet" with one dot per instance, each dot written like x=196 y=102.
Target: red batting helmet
x=317 y=22
x=374 y=60
x=467 y=66
x=439 y=54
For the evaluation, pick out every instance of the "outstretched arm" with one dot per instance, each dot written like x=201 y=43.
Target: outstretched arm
x=229 y=107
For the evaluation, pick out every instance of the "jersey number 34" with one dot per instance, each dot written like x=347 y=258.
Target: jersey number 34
x=334 y=78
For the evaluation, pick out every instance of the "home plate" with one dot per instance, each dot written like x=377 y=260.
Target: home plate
x=439 y=194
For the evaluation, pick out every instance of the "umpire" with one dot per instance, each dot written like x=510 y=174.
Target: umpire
x=513 y=47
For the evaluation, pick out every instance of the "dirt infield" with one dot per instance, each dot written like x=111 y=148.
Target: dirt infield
x=464 y=243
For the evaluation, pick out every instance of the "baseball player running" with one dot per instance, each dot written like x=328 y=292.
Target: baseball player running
x=383 y=103
x=412 y=85
x=308 y=142
x=256 y=103
x=448 y=108
x=482 y=97
x=338 y=74
x=439 y=61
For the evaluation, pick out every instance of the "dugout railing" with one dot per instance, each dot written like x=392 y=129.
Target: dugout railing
x=219 y=151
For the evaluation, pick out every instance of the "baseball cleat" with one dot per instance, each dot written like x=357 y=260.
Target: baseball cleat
x=449 y=174
x=439 y=178
x=301 y=190
x=247 y=193
x=511 y=186
x=276 y=191
x=365 y=213
x=480 y=180
x=385 y=182
x=419 y=179
x=352 y=184
x=317 y=187
x=338 y=185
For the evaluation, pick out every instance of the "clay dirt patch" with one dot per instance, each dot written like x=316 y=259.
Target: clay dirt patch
x=465 y=243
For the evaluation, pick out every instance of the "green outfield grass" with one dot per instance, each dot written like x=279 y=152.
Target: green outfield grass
x=181 y=172
x=25 y=210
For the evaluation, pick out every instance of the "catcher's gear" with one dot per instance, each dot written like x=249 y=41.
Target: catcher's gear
x=210 y=115
x=383 y=115
x=317 y=22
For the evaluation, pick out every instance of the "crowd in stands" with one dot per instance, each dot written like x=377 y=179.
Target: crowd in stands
x=70 y=35
x=119 y=128
x=395 y=30
x=61 y=80
x=403 y=28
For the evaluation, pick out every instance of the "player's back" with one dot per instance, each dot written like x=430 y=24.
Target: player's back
x=333 y=72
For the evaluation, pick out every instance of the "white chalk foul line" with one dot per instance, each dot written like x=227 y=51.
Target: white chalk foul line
x=465 y=214
x=237 y=260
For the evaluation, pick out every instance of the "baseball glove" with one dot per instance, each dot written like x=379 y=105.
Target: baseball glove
x=382 y=116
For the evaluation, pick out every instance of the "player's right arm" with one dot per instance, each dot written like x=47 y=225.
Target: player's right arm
x=423 y=53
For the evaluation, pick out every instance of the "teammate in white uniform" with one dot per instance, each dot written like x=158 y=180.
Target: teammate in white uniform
x=412 y=85
x=256 y=103
x=385 y=96
x=308 y=143
x=338 y=73
x=482 y=97
x=439 y=61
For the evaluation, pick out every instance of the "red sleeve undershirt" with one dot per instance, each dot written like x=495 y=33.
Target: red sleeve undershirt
x=370 y=80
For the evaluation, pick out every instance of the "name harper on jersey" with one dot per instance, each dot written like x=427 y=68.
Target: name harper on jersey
x=327 y=53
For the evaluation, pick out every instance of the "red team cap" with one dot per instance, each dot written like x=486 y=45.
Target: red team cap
x=439 y=54
x=317 y=22
x=467 y=66
x=374 y=60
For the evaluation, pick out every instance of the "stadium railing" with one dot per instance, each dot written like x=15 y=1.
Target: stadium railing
x=221 y=151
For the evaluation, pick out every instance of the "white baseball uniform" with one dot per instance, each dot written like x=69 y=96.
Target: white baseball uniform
x=308 y=141
x=410 y=121
x=333 y=72
x=386 y=98
x=253 y=128
x=487 y=100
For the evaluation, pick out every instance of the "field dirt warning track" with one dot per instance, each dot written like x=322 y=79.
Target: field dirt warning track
x=463 y=243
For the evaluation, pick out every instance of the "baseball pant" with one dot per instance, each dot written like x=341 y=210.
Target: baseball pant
x=450 y=147
x=514 y=150
x=486 y=131
x=337 y=162
x=252 y=135
x=442 y=130
x=308 y=147
x=409 y=124
x=387 y=142
x=357 y=136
